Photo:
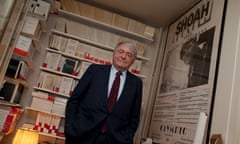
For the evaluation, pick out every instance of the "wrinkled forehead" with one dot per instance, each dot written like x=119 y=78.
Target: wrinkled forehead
x=127 y=46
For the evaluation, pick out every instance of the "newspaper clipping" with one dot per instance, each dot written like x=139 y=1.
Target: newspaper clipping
x=188 y=77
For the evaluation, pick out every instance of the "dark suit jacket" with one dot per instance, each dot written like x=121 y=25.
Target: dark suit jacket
x=87 y=110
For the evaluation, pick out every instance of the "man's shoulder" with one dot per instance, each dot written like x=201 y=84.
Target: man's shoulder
x=133 y=76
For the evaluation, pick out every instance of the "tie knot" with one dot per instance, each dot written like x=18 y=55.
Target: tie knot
x=118 y=73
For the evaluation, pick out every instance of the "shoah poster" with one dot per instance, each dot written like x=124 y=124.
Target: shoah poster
x=187 y=80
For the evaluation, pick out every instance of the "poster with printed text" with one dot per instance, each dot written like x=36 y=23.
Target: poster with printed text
x=187 y=79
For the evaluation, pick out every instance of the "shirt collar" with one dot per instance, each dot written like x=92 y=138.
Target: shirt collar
x=114 y=70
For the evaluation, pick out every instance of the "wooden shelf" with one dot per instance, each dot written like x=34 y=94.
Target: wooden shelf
x=81 y=59
x=17 y=81
x=69 y=55
x=59 y=73
x=6 y=39
x=103 y=26
x=28 y=60
x=92 y=43
x=6 y=103
x=39 y=110
x=50 y=135
x=52 y=92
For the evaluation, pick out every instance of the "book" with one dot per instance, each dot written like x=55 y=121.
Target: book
x=149 y=31
x=65 y=86
x=69 y=65
x=13 y=68
x=120 y=21
x=42 y=104
x=51 y=60
x=59 y=105
x=12 y=92
x=63 y=44
x=84 y=67
x=4 y=113
x=84 y=9
x=23 y=72
x=48 y=81
x=78 y=29
x=81 y=50
x=58 y=108
x=71 y=46
x=60 y=24
x=55 y=41
x=61 y=63
x=32 y=6
x=57 y=83
x=113 y=40
x=24 y=46
x=40 y=79
x=136 y=26
x=42 y=8
x=92 y=33
x=74 y=84
x=31 y=27
x=140 y=48
x=99 y=36
x=107 y=17
x=43 y=95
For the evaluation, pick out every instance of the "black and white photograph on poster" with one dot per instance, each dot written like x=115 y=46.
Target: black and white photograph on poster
x=182 y=107
x=194 y=62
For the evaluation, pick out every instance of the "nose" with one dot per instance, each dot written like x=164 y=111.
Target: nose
x=124 y=55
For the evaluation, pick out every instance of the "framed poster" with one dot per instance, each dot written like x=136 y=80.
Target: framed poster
x=187 y=80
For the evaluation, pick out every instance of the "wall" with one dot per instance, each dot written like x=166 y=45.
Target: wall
x=226 y=108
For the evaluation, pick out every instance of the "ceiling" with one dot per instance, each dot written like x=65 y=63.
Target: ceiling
x=157 y=13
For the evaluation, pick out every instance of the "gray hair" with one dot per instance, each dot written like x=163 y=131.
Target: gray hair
x=130 y=45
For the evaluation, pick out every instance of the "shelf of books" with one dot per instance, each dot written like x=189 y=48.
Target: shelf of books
x=10 y=114
x=34 y=23
x=86 y=52
x=109 y=45
x=40 y=11
x=51 y=92
x=59 y=73
x=44 y=111
x=46 y=123
x=120 y=25
x=11 y=22
x=50 y=114
x=12 y=90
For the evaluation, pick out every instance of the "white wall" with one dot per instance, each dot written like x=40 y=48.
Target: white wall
x=226 y=114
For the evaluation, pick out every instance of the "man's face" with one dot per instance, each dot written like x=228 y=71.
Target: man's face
x=123 y=57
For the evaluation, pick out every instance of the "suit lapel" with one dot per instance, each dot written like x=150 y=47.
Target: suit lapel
x=125 y=90
x=105 y=78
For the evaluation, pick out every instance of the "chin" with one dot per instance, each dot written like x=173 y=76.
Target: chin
x=122 y=68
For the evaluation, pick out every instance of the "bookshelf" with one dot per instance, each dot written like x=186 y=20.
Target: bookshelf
x=38 y=110
x=23 y=47
x=93 y=45
x=10 y=114
x=46 y=93
x=49 y=117
x=51 y=92
x=59 y=73
x=7 y=36
x=102 y=46
x=101 y=25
